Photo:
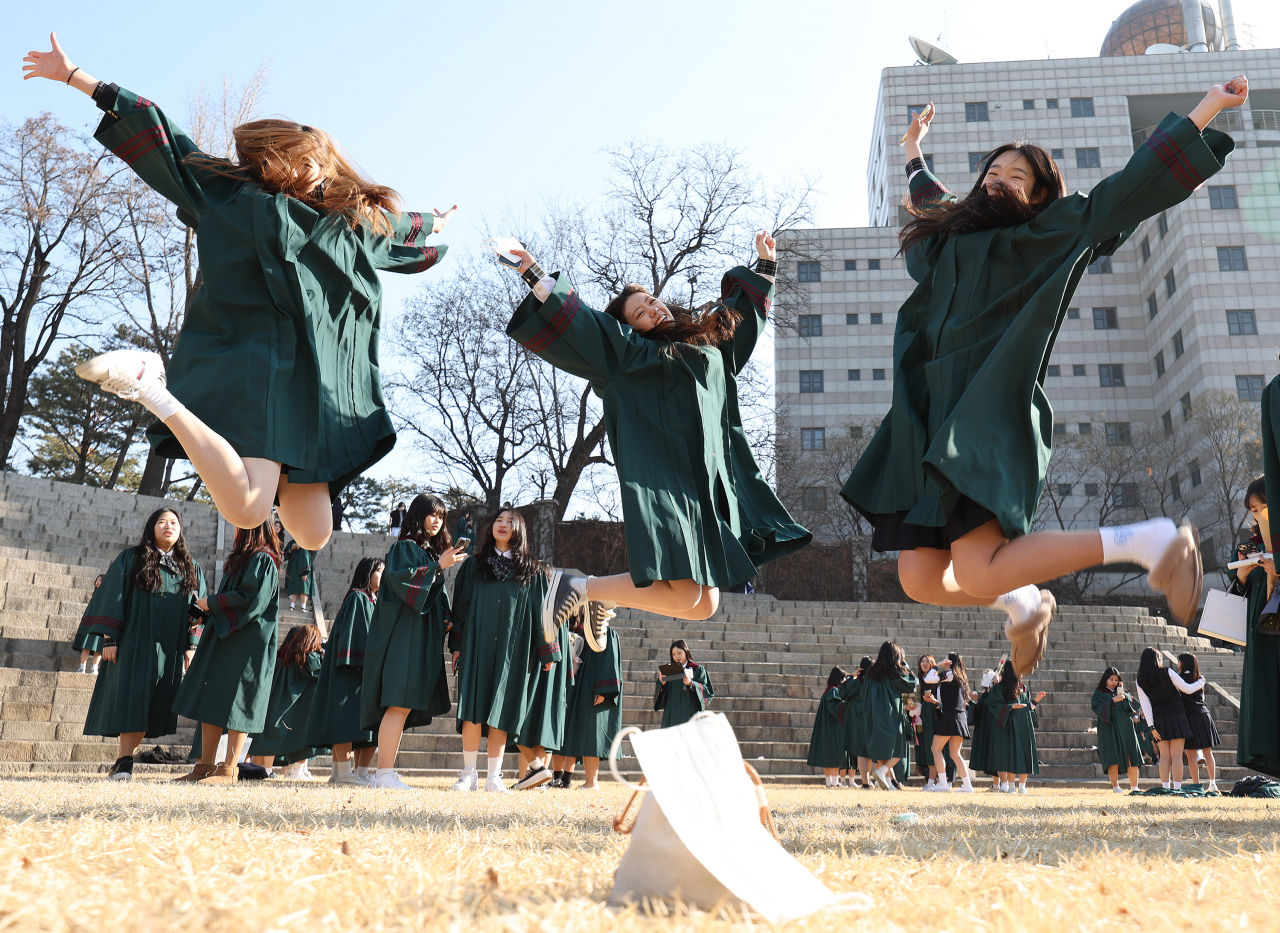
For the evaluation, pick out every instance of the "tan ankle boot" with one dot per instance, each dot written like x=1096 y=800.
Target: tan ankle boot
x=198 y=772
x=224 y=774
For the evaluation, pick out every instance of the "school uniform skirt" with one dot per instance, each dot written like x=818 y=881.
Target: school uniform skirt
x=1172 y=726
x=1204 y=732
x=951 y=722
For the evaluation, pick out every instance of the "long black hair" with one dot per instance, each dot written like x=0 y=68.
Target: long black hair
x=982 y=209
x=1009 y=682
x=683 y=646
x=524 y=563
x=1148 y=669
x=1107 y=675
x=367 y=567
x=146 y=573
x=415 y=528
x=1189 y=667
x=836 y=677
x=957 y=668
x=713 y=323
x=889 y=660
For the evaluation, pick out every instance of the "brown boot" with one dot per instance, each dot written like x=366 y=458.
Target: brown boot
x=224 y=774
x=198 y=772
x=1028 y=640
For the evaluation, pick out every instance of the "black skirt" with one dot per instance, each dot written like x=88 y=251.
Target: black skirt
x=1172 y=726
x=1204 y=733
x=893 y=533
x=952 y=722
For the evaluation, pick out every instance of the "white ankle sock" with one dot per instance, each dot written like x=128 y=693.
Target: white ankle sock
x=1019 y=603
x=363 y=771
x=381 y=771
x=160 y=402
x=469 y=759
x=343 y=768
x=495 y=767
x=1164 y=784
x=1143 y=543
x=82 y=669
x=1177 y=785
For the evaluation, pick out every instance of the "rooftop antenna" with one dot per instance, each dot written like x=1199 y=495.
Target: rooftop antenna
x=929 y=54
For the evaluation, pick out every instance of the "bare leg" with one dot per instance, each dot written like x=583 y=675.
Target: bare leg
x=306 y=513
x=939 y=763
x=1133 y=779
x=1193 y=766
x=926 y=576
x=987 y=564
x=364 y=756
x=235 y=745
x=1175 y=758
x=680 y=599
x=341 y=752
x=1210 y=765
x=592 y=768
x=1113 y=772
x=557 y=762
x=1165 y=769
x=389 y=732
x=962 y=769
x=129 y=742
x=209 y=738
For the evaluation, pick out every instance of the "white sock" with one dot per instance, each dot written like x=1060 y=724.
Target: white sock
x=495 y=767
x=342 y=768
x=535 y=766
x=381 y=771
x=1143 y=543
x=1004 y=786
x=363 y=771
x=160 y=402
x=1164 y=784
x=1019 y=603
x=82 y=669
x=292 y=604
x=469 y=759
x=1177 y=785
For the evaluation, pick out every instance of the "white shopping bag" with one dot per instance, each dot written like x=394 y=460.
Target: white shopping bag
x=698 y=836
x=1225 y=616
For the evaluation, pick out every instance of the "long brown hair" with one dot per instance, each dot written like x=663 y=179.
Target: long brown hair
x=981 y=209
x=890 y=659
x=713 y=323
x=271 y=153
x=146 y=575
x=250 y=541
x=300 y=642
x=414 y=528
x=525 y=564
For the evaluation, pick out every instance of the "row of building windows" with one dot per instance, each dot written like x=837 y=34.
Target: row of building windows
x=979 y=112
x=1086 y=157
x=813 y=381
x=812 y=271
x=816 y=438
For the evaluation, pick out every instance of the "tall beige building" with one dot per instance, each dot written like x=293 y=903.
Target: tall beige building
x=1190 y=302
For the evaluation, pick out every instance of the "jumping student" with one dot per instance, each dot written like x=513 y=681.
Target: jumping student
x=298 y=577
x=826 y=743
x=274 y=389
x=1204 y=731
x=953 y=476
x=404 y=682
x=696 y=519
x=1159 y=692
x=952 y=726
x=1011 y=746
x=1118 y=745
x=334 y=720
x=1258 y=739
x=881 y=689
x=140 y=615
x=498 y=646
x=228 y=686
x=89 y=645
x=595 y=710
x=680 y=702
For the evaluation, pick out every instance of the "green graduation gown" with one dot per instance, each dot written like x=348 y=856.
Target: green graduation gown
x=335 y=711
x=970 y=416
x=279 y=349
x=293 y=691
x=153 y=632
x=1011 y=744
x=855 y=720
x=497 y=625
x=86 y=640
x=680 y=702
x=693 y=501
x=544 y=721
x=1117 y=738
x=883 y=730
x=229 y=681
x=928 y=722
x=404 y=666
x=981 y=733
x=298 y=572
x=1258 y=741
x=826 y=743
x=590 y=727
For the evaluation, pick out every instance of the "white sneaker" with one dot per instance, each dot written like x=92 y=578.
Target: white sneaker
x=94 y=670
x=305 y=774
x=1213 y=788
x=389 y=781
x=593 y=787
x=468 y=780
x=881 y=776
x=1022 y=789
x=350 y=777
x=929 y=784
x=1005 y=789
x=493 y=784
x=126 y=373
x=1117 y=789
x=82 y=669
x=938 y=787
x=965 y=788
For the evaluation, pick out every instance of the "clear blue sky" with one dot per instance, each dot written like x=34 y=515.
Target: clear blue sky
x=490 y=105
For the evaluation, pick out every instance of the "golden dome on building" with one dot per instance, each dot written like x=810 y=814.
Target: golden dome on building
x=1152 y=22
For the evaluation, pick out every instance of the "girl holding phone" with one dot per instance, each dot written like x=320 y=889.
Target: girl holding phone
x=826 y=743
x=1118 y=745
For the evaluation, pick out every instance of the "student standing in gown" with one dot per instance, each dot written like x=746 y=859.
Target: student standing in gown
x=1204 y=731
x=293 y=691
x=595 y=710
x=881 y=690
x=498 y=647
x=574 y=645
x=1160 y=692
x=274 y=389
x=1011 y=748
x=982 y=731
x=298 y=577
x=952 y=722
x=697 y=519
x=404 y=682
x=228 y=684
x=1258 y=738
x=334 y=720
x=1118 y=745
x=826 y=743
x=141 y=617
x=89 y=645
x=953 y=476
x=681 y=701
x=855 y=725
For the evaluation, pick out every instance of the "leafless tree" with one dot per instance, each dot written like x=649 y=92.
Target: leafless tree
x=1228 y=447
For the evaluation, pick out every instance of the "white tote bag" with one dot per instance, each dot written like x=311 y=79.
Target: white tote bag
x=698 y=837
x=1225 y=617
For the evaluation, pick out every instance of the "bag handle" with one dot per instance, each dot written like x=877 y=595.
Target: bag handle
x=613 y=756
x=622 y=827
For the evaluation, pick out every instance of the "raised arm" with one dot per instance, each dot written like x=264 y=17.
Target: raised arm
x=406 y=250
x=751 y=295
x=1176 y=679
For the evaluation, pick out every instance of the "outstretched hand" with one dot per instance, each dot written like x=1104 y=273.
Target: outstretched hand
x=1231 y=93
x=526 y=260
x=766 y=246
x=442 y=219
x=53 y=64
x=919 y=127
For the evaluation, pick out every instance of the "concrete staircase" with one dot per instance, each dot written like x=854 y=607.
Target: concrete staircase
x=768 y=659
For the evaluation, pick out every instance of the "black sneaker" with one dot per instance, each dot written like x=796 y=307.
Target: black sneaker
x=537 y=775
x=566 y=780
x=565 y=596
x=122 y=770
x=596 y=631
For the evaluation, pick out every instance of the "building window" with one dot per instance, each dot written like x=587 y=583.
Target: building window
x=1160 y=364
x=1126 y=495
x=1166 y=421
x=1028 y=105
x=1175 y=487
x=928 y=161
x=1231 y=259
x=1146 y=248
x=813 y=499
x=1170 y=284
x=1055 y=370
x=877 y=317
x=1060 y=429
x=1057 y=155
x=975 y=160
x=1177 y=344
x=811 y=325
x=1111 y=375
x=1105 y=319
x=1082 y=106
x=1195 y=473
x=1151 y=306
x=975 y=113
x=809 y=272
x=1186 y=407
x=873 y=265
x=1090 y=490
x=1117 y=433
x=851 y=319
x=913 y=109
x=813 y=438
x=1064 y=490
x=1085 y=428
x=1249 y=388
x=1100 y=266
x=1162 y=224
x=855 y=375
x=877 y=375
x=1241 y=323
x=1223 y=198
x=1088 y=158
x=810 y=381
x=851 y=265
x=855 y=432
x=1077 y=369
x=1051 y=103
x=1073 y=314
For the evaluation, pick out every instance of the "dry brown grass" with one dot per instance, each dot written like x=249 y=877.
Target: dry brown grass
x=91 y=855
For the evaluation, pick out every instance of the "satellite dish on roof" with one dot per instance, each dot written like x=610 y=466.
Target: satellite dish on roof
x=930 y=54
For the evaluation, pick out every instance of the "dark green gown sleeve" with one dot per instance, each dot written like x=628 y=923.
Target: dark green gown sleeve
x=231 y=610
x=1102 y=704
x=405 y=250
x=750 y=295
x=352 y=630
x=106 y=612
x=463 y=591
x=608 y=678
x=1271 y=451
x=416 y=584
